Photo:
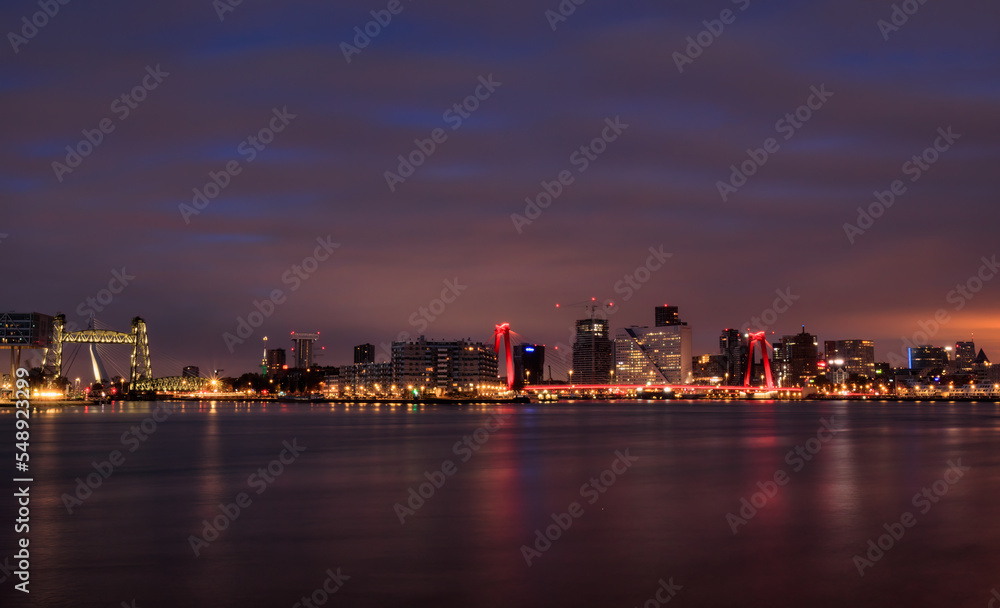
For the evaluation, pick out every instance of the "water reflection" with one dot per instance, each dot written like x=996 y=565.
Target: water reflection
x=665 y=517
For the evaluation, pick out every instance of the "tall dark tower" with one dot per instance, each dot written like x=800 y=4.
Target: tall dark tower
x=733 y=346
x=529 y=364
x=364 y=353
x=592 y=352
x=666 y=316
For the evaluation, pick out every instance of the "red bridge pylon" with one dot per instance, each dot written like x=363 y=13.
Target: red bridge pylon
x=754 y=339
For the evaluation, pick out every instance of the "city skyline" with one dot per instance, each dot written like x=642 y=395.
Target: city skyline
x=342 y=355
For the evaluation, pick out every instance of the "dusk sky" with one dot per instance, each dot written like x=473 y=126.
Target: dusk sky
x=880 y=95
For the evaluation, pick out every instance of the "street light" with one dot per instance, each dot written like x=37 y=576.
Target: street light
x=571 y=377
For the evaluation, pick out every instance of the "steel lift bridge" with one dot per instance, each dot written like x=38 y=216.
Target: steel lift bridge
x=140 y=368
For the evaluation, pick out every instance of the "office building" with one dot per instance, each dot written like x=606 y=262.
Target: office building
x=592 y=352
x=529 y=364
x=733 y=346
x=927 y=357
x=965 y=356
x=801 y=352
x=658 y=355
x=445 y=367
x=303 y=349
x=364 y=353
x=858 y=355
x=633 y=365
x=275 y=360
x=366 y=379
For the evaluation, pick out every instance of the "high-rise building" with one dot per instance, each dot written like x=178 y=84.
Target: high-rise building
x=364 y=353
x=303 y=349
x=275 y=360
x=802 y=355
x=925 y=357
x=965 y=355
x=366 y=378
x=633 y=365
x=733 y=346
x=666 y=315
x=191 y=371
x=658 y=354
x=592 y=352
x=455 y=367
x=529 y=364
x=858 y=355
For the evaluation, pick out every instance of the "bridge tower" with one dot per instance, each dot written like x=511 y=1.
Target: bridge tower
x=758 y=338
x=502 y=332
x=140 y=367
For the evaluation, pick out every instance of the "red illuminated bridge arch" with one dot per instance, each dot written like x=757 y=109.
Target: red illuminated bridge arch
x=502 y=332
x=755 y=338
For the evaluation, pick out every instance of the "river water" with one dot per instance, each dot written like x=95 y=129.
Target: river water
x=567 y=504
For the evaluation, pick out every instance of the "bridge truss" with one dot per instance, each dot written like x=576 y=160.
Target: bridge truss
x=140 y=367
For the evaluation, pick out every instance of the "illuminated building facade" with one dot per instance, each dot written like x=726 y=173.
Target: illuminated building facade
x=593 y=352
x=452 y=367
x=303 y=349
x=925 y=357
x=275 y=360
x=965 y=356
x=800 y=358
x=366 y=379
x=657 y=355
x=858 y=355
x=733 y=346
